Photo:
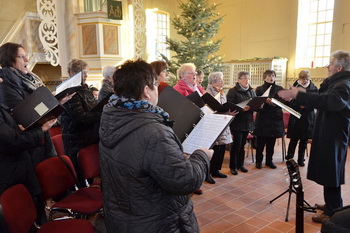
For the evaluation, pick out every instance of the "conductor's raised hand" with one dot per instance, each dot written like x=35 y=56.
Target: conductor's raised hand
x=290 y=94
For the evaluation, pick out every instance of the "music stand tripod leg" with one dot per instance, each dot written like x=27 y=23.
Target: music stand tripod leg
x=279 y=196
x=288 y=204
x=290 y=191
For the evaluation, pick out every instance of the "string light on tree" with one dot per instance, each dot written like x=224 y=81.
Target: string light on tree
x=198 y=24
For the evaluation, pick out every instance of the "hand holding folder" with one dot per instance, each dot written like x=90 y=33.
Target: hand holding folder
x=69 y=86
x=257 y=102
x=207 y=99
x=37 y=108
x=212 y=103
x=194 y=129
x=205 y=133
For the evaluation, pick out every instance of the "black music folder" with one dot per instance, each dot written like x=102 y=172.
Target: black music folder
x=99 y=106
x=181 y=110
x=257 y=102
x=70 y=85
x=218 y=107
x=254 y=103
x=37 y=108
x=194 y=129
x=195 y=98
x=213 y=103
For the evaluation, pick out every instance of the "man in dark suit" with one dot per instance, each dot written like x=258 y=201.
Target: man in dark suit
x=331 y=132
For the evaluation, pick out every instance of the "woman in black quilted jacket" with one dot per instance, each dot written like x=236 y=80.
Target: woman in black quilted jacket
x=301 y=129
x=146 y=178
x=269 y=121
x=79 y=123
x=242 y=123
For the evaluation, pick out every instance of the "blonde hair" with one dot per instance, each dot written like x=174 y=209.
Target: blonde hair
x=75 y=66
x=304 y=73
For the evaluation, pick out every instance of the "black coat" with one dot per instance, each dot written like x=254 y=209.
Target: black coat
x=15 y=163
x=79 y=124
x=331 y=132
x=12 y=91
x=106 y=89
x=244 y=120
x=146 y=178
x=269 y=119
x=302 y=128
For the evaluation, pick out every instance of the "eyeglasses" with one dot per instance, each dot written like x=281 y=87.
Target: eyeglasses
x=23 y=56
x=192 y=73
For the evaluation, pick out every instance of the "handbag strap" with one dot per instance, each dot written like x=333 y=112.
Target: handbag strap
x=70 y=170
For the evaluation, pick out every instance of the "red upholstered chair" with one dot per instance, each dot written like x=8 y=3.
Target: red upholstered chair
x=89 y=163
x=56 y=175
x=58 y=144
x=55 y=130
x=20 y=215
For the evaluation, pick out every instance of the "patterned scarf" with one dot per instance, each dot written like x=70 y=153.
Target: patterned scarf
x=219 y=90
x=139 y=105
x=31 y=80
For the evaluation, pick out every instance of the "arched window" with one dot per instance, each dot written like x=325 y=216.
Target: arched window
x=157 y=31
x=314 y=35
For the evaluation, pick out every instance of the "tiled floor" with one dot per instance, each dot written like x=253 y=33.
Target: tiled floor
x=242 y=203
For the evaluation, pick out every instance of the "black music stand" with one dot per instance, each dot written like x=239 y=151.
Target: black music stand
x=294 y=183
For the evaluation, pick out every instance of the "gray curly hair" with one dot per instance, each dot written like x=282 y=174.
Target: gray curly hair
x=214 y=76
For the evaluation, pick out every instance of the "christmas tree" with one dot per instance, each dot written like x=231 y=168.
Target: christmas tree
x=198 y=24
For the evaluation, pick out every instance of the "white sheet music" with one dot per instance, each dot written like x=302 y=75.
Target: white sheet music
x=287 y=108
x=218 y=97
x=206 y=132
x=267 y=92
x=70 y=82
x=243 y=103
x=207 y=110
